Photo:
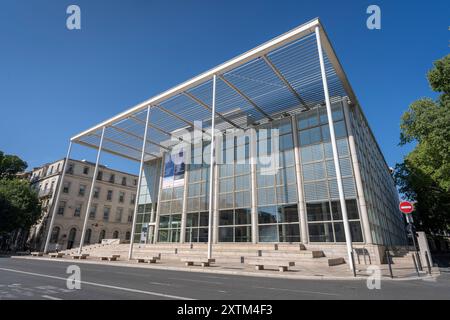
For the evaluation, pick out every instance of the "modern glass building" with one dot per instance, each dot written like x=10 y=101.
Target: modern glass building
x=294 y=159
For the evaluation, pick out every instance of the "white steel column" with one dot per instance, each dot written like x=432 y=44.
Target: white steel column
x=357 y=172
x=211 y=170
x=158 y=208
x=91 y=192
x=55 y=203
x=253 y=175
x=348 y=236
x=300 y=193
x=138 y=191
x=184 y=202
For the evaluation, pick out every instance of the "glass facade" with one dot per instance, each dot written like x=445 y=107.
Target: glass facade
x=274 y=213
x=234 y=203
x=319 y=176
x=278 y=218
x=147 y=201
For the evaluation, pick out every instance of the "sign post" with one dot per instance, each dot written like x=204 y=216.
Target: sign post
x=407 y=208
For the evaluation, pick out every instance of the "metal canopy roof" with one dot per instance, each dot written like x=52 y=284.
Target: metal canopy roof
x=278 y=77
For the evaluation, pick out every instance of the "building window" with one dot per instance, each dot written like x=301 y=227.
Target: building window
x=87 y=237
x=127 y=235
x=116 y=234
x=319 y=176
x=112 y=178
x=169 y=228
x=278 y=219
x=101 y=236
x=235 y=225
x=92 y=211
x=77 y=211
x=134 y=182
x=133 y=199
x=82 y=190
x=70 y=167
x=62 y=207
x=197 y=227
x=124 y=181
x=96 y=192
x=86 y=170
x=100 y=175
x=325 y=221
x=55 y=235
x=119 y=213
x=121 y=197
x=106 y=211
x=109 y=195
x=130 y=215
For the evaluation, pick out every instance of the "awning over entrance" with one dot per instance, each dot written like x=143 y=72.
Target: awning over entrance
x=279 y=77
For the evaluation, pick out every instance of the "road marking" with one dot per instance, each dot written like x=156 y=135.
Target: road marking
x=101 y=285
x=50 y=297
x=191 y=280
x=300 y=291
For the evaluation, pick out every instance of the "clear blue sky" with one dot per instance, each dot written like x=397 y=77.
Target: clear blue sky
x=55 y=83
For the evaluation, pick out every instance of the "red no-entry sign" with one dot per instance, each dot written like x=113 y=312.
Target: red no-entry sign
x=406 y=207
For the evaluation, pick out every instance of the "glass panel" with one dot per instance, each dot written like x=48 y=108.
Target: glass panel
x=243 y=216
x=267 y=214
x=243 y=234
x=355 y=228
x=268 y=233
x=226 y=234
x=204 y=218
x=288 y=213
x=320 y=232
x=225 y=217
x=289 y=232
x=318 y=211
x=164 y=221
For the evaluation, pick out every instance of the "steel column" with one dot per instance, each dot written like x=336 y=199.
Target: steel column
x=138 y=191
x=298 y=174
x=91 y=192
x=348 y=236
x=55 y=203
x=211 y=171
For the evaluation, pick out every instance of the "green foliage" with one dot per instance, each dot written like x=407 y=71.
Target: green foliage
x=10 y=165
x=19 y=205
x=424 y=176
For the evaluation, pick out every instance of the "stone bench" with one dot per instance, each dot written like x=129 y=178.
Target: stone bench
x=37 y=254
x=56 y=255
x=148 y=259
x=204 y=262
x=80 y=256
x=113 y=257
x=335 y=261
x=282 y=265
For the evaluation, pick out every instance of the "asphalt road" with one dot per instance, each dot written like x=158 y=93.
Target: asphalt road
x=37 y=279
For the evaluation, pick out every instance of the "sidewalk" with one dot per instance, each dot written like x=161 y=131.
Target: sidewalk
x=309 y=271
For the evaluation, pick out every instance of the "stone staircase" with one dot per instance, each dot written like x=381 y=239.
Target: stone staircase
x=223 y=253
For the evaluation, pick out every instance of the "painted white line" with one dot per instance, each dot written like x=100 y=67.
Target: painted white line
x=101 y=285
x=191 y=280
x=50 y=297
x=299 y=291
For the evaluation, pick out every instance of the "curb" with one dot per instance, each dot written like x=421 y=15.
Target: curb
x=226 y=272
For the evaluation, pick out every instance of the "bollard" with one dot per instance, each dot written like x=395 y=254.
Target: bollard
x=388 y=258
x=419 y=261
x=428 y=262
x=354 y=266
x=415 y=265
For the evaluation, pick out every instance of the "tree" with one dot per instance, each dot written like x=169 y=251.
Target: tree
x=424 y=175
x=10 y=165
x=19 y=205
